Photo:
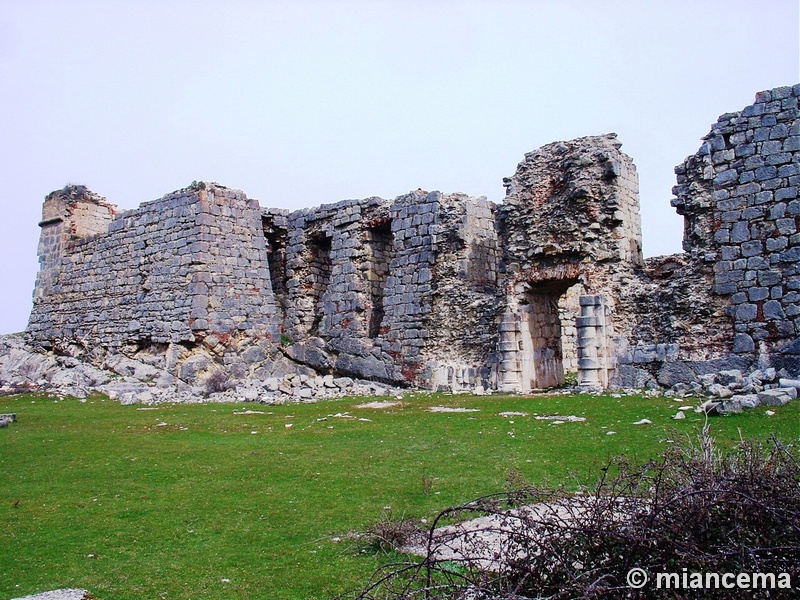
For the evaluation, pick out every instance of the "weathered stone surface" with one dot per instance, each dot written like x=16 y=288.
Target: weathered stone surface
x=746 y=400
x=774 y=397
x=675 y=372
x=731 y=405
x=719 y=390
x=789 y=383
x=628 y=376
x=195 y=368
x=730 y=378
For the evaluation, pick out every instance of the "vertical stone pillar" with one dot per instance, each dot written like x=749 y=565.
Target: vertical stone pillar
x=592 y=344
x=508 y=354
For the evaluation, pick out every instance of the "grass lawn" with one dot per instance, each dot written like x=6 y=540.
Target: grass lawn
x=197 y=501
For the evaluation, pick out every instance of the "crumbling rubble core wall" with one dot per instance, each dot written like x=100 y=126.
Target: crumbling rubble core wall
x=569 y=225
x=336 y=266
x=733 y=298
x=67 y=215
x=459 y=352
x=175 y=270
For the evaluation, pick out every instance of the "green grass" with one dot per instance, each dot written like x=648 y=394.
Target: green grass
x=101 y=496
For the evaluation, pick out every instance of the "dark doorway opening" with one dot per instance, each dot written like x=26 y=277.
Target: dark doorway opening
x=542 y=364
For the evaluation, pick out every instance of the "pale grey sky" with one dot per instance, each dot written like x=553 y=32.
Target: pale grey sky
x=301 y=103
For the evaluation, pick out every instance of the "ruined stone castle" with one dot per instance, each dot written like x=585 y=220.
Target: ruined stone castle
x=447 y=291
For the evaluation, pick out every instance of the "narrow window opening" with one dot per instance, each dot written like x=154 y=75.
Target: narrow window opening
x=276 y=238
x=320 y=275
x=379 y=242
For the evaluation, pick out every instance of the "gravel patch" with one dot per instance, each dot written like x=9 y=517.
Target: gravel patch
x=380 y=404
x=563 y=419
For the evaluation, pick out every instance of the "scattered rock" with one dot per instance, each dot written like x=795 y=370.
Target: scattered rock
x=343 y=383
x=731 y=406
x=65 y=594
x=711 y=407
x=745 y=400
x=776 y=397
x=707 y=379
x=789 y=383
x=379 y=404
x=728 y=378
x=719 y=390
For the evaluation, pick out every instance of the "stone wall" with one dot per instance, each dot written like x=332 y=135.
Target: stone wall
x=464 y=292
x=447 y=290
x=732 y=298
x=175 y=270
x=374 y=287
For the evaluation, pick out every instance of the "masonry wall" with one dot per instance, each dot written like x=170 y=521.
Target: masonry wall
x=460 y=350
x=731 y=300
x=175 y=270
x=374 y=287
x=337 y=271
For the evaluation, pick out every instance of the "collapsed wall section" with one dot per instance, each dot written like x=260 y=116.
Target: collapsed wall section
x=337 y=265
x=409 y=285
x=387 y=290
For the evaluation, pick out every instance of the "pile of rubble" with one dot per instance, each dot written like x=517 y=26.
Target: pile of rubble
x=132 y=381
x=731 y=391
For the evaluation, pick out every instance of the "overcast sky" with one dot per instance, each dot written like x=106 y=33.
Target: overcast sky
x=304 y=103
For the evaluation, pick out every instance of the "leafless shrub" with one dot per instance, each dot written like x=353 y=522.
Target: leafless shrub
x=391 y=534
x=427 y=483
x=693 y=508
